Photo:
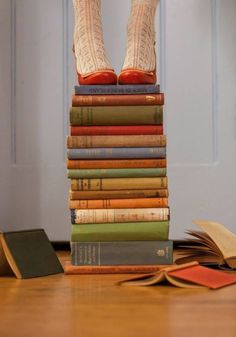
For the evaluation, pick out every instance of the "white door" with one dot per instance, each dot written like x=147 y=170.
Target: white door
x=196 y=43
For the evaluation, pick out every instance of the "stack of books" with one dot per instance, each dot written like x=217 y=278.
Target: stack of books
x=118 y=170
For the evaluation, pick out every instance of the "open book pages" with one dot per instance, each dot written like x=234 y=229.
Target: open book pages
x=215 y=245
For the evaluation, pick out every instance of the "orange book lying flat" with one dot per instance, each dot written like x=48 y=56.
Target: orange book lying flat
x=188 y=275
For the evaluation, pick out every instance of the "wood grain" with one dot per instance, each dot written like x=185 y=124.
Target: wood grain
x=90 y=306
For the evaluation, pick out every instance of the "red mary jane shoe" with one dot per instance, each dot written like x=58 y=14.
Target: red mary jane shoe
x=135 y=76
x=98 y=77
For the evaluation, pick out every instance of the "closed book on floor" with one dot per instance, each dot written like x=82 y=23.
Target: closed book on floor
x=133 y=231
x=29 y=253
x=121 y=253
x=131 y=89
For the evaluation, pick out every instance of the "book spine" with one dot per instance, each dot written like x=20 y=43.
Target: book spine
x=116 y=89
x=116 y=173
x=123 y=231
x=116 y=115
x=74 y=142
x=117 y=152
x=138 y=269
x=118 y=184
x=89 y=216
x=119 y=203
x=121 y=253
x=117 y=130
x=142 y=99
x=115 y=164
x=118 y=194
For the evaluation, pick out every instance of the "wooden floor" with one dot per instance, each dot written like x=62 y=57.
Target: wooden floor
x=88 y=305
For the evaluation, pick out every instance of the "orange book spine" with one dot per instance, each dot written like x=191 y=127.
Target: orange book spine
x=131 y=269
x=118 y=194
x=116 y=163
x=98 y=100
x=119 y=203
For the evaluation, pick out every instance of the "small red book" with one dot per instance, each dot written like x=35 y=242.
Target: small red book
x=187 y=275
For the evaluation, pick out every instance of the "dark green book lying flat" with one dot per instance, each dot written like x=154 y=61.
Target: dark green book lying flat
x=28 y=253
x=121 y=253
x=121 y=231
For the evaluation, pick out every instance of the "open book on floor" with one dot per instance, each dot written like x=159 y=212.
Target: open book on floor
x=188 y=275
x=214 y=245
x=27 y=253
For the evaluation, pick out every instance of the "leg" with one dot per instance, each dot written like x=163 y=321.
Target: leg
x=140 y=60
x=92 y=64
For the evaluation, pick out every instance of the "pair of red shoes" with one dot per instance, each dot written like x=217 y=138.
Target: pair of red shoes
x=127 y=76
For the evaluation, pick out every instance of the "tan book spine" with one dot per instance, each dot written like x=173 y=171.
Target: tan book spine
x=92 y=216
x=74 y=142
x=118 y=183
x=118 y=194
x=141 y=99
x=131 y=269
x=119 y=203
x=116 y=163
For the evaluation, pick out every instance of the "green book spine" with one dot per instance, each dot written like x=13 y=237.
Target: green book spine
x=116 y=115
x=133 y=231
x=116 y=173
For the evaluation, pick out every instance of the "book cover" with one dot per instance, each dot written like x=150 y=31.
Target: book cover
x=84 y=216
x=29 y=253
x=188 y=275
x=119 y=194
x=122 y=253
x=141 y=99
x=116 y=115
x=136 y=269
x=117 y=153
x=119 y=203
x=74 y=142
x=119 y=183
x=115 y=164
x=124 y=231
x=116 y=173
x=117 y=89
x=117 y=130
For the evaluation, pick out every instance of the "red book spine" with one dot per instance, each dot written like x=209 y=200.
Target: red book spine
x=117 y=130
x=86 y=100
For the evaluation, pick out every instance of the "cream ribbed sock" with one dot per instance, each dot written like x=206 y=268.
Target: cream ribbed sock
x=140 y=52
x=88 y=37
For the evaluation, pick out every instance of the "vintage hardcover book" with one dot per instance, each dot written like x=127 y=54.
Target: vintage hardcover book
x=125 y=269
x=27 y=254
x=122 y=253
x=141 y=99
x=117 y=115
x=115 y=164
x=118 y=184
x=84 y=216
x=116 y=173
x=119 y=194
x=117 y=153
x=214 y=245
x=116 y=130
x=188 y=275
x=123 y=231
x=117 y=89
x=119 y=203
x=74 y=142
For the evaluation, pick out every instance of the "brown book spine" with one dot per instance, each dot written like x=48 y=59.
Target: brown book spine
x=118 y=194
x=74 y=142
x=142 y=99
x=116 y=163
x=118 y=184
x=116 y=130
x=125 y=269
x=119 y=203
